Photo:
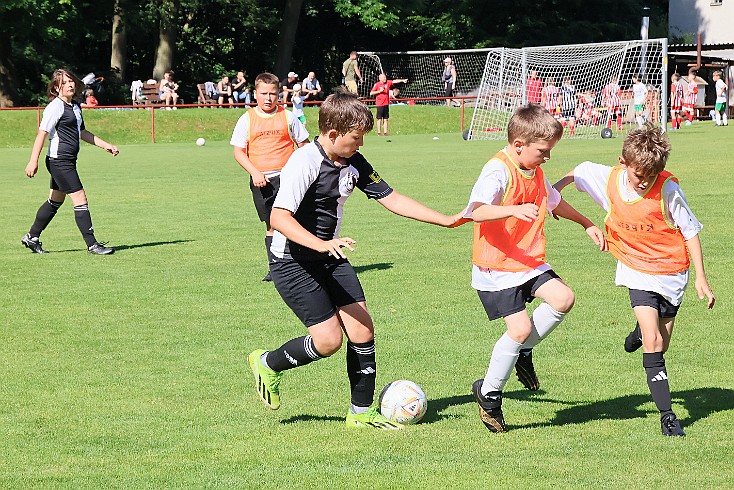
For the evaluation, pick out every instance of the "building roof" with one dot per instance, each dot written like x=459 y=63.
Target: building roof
x=721 y=51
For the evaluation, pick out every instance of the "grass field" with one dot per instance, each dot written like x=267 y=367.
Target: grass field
x=129 y=371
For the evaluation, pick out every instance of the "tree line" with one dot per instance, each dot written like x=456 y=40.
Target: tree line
x=125 y=40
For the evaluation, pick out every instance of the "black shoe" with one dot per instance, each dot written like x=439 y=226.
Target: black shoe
x=633 y=340
x=525 y=370
x=267 y=278
x=670 y=426
x=490 y=408
x=33 y=244
x=100 y=249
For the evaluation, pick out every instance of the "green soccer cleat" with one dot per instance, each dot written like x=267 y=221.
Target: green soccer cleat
x=372 y=418
x=267 y=381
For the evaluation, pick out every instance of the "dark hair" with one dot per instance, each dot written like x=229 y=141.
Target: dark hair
x=57 y=79
x=344 y=112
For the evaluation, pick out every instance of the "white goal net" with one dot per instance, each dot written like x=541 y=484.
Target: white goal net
x=588 y=87
x=423 y=69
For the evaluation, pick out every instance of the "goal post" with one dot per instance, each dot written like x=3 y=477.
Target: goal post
x=423 y=69
x=588 y=87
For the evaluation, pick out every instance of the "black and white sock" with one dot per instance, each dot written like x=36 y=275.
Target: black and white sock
x=84 y=223
x=657 y=381
x=362 y=372
x=294 y=353
x=45 y=214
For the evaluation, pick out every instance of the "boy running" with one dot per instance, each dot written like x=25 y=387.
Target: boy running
x=508 y=205
x=309 y=268
x=264 y=138
x=652 y=232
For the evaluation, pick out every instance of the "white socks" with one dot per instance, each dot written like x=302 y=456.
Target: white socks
x=544 y=320
x=504 y=356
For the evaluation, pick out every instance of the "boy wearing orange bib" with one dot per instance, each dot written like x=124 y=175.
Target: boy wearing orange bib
x=263 y=139
x=508 y=205
x=653 y=234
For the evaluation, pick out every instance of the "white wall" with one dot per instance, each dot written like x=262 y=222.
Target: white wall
x=713 y=22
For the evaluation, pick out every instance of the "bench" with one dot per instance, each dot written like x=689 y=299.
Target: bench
x=204 y=99
x=149 y=95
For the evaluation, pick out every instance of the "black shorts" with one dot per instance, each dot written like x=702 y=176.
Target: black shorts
x=264 y=197
x=448 y=91
x=500 y=304
x=314 y=290
x=64 y=176
x=568 y=113
x=665 y=308
x=383 y=112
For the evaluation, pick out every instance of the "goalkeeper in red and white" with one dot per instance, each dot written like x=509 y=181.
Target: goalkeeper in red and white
x=611 y=94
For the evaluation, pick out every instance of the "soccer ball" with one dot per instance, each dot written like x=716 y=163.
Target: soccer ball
x=403 y=402
x=200 y=142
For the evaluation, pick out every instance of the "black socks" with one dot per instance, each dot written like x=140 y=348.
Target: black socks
x=657 y=381
x=45 y=214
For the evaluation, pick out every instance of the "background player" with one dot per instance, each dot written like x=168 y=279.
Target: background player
x=549 y=96
x=721 y=87
x=310 y=269
x=568 y=101
x=676 y=101
x=639 y=93
x=690 y=98
x=651 y=231
x=508 y=205
x=381 y=90
x=263 y=139
x=611 y=95
x=62 y=122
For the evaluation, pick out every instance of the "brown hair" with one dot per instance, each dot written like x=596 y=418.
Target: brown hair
x=646 y=149
x=57 y=79
x=267 y=79
x=344 y=112
x=531 y=123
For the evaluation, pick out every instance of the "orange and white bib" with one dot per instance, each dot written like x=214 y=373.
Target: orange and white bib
x=269 y=144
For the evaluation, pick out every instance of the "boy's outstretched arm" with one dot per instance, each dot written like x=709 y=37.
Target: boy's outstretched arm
x=565 y=180
x=410 y=208
x=565 y=210
x=702 y=284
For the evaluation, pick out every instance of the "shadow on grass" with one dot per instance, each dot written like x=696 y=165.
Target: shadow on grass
x=382 y=266
x=310 y=418
x=699 y=402
x=126 y=247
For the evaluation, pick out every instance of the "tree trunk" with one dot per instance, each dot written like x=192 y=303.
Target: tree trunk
x=287 y=37
x=7 y=77
x=166 y=40
x=118 y=59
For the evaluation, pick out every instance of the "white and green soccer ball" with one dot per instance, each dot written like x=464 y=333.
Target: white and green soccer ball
x=200 y=142
x=403 y=401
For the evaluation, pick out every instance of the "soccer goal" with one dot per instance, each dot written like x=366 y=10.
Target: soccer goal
x=588 y=87
x=423 y=69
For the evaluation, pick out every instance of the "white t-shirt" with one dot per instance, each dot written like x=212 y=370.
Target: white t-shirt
x=297 y=106
x=720 y=89
x=241 y=133
x=592 y=178
x=489 y=189
x=640 y=93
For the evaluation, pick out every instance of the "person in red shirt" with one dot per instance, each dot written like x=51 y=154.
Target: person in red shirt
x=533 y=88
x=381 y=91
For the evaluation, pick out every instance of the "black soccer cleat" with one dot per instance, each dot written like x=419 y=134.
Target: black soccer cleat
x=100 y=249
x=633 y=340
x=33 y=244
x=670 y=426
x=490 y=408
x=525 y=370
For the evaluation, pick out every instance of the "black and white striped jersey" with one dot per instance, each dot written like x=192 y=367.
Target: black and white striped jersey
x=63 y=122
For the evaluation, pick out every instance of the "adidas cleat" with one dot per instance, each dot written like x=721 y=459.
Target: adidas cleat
x=526 y=372
x=100 y=249
x=490 y=408
x=33 y=244
x=670 y=426
x=372 y=419
x=633 y=340
x=267 y=381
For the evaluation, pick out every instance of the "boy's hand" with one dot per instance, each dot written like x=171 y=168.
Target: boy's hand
x=113 y=149
x=598 y=236
x=458 y=220
x=334 y=246
x=259 y=179
x=525 y=212
x=31 y=169
x=703 y=289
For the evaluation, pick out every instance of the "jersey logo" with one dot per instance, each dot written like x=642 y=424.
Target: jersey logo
x=347 y=181
x=375 y=177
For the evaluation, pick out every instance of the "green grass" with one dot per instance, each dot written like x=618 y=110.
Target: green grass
x=129 y=371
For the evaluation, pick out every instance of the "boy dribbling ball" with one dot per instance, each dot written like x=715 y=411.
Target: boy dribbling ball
x=653 y=234
x=309 y=267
